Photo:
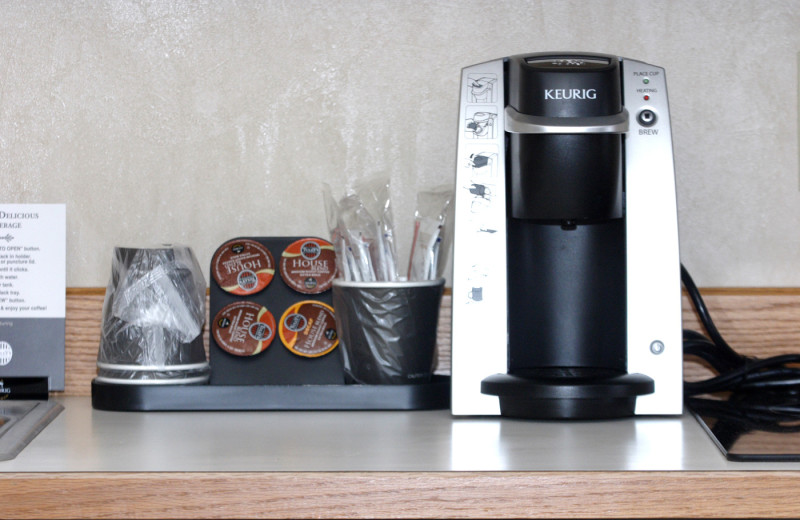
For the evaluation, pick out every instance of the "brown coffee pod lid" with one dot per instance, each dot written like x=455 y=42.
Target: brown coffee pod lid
x=242 y=267
x=308 y=265
x=308 y=329
x=243 y=328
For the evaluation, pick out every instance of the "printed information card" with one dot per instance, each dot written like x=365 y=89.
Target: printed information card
x=33 y=291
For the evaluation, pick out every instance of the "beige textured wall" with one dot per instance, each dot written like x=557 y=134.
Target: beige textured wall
x=196 y=121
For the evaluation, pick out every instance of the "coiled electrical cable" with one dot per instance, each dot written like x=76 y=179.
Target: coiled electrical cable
x=778 y=375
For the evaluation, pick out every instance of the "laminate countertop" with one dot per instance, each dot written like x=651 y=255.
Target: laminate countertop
x=82 y=439
x=91 y=451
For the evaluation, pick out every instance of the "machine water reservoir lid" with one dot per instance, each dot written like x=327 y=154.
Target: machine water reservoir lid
x=572 y=62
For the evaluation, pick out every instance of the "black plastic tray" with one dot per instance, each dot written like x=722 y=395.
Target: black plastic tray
x=428 y=396
x=275 y=379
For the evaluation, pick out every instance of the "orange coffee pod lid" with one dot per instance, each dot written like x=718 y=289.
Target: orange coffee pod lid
x=243 y=328
x=242 y=267
x=308 y=329
x=308 y=265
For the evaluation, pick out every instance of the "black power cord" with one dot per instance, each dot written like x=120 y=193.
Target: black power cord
x=769 y=387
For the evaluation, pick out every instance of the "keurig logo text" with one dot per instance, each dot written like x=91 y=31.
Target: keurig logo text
x=574 y=93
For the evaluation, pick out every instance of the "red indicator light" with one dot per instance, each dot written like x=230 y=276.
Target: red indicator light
x=647 y=98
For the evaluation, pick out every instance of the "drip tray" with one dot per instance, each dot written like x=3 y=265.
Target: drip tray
x=21 y=422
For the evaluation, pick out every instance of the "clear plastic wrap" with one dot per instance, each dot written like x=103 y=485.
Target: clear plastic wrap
x=337 y=236
x=387 y=330
x=153 y=317
x=359 y=233
x=433 y=233
x=375 y=198
x=362 y=231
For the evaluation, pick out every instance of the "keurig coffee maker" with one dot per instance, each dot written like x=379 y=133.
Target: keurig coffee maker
x=566 y=282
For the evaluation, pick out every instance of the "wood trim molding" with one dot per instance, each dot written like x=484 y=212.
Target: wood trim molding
x=755 y=321
x=624 y=494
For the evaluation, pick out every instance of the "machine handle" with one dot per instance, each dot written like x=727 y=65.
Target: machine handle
x=517 y=123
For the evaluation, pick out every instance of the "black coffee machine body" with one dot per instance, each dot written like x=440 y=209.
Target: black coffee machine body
x=566 y=289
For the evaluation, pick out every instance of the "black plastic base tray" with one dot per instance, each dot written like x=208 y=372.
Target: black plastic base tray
x=114 y=397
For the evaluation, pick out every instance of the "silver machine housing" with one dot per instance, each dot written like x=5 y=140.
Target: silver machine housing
x=480 y=277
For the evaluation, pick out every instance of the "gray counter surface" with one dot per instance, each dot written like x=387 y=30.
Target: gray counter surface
x=82 y=439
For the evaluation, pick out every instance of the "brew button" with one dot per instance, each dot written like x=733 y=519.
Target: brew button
x=646 y=118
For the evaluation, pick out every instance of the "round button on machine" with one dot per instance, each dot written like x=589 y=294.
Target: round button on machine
x=657 y=347
x=646 y=117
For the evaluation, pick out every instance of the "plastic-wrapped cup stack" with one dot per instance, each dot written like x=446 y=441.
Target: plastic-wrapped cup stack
x=153 y=317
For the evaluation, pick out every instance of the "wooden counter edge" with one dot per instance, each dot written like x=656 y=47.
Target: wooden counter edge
x=623 y=494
